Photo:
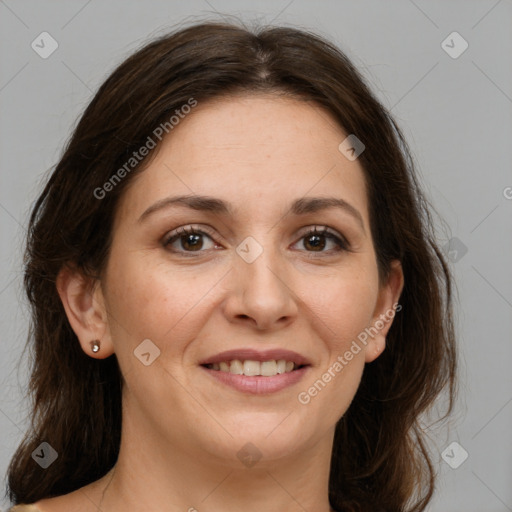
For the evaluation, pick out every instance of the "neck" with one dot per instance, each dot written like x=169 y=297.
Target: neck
x=153 y=474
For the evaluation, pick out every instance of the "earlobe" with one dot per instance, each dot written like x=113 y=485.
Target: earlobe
x=386 y=308
x=375 y=348
x=83 y=302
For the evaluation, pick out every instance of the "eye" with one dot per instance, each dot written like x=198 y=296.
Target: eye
x=316 y=240
x=190 y=240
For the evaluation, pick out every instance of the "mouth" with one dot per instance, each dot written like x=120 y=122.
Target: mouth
x=257 y=372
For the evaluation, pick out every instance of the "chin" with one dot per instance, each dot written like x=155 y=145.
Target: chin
x=269 y=436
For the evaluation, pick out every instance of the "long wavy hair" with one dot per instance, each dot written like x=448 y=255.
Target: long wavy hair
x=380 y=453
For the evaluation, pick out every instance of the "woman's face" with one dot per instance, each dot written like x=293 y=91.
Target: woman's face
x=252 y=278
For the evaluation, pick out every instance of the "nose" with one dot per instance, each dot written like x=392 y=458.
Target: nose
x=260 y=295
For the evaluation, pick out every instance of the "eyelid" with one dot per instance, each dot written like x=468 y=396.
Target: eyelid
x=196 y=228
x=320 y=229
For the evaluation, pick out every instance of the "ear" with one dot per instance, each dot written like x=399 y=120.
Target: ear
x=386 y=308
x=84 y=304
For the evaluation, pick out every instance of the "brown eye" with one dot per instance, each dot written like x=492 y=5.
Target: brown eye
x=316 y=241
x=191 y=242
x=187 y=239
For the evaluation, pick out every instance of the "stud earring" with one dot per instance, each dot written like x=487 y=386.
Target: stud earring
x=95 y=346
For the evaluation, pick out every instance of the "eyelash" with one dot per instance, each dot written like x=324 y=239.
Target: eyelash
x=340 y=241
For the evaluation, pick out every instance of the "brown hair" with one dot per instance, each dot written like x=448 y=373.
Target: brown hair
x=380 y=455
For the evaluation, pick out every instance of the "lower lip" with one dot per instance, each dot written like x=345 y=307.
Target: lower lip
x=258 y=385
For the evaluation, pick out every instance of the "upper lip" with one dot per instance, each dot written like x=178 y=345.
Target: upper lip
x=244 y=354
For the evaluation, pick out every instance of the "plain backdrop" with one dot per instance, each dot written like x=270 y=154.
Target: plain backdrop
x=455 y=109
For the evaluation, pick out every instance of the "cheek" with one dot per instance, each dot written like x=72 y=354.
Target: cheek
x=149 y=301
x=343 y=305
x=341 y=312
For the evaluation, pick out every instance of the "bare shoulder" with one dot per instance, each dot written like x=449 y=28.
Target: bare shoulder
x=78 y=501
x=85 y=499
x=58 y=504
x=24 y=508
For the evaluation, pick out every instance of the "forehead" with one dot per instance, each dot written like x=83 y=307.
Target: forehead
x=252 y=151
x=257 y=127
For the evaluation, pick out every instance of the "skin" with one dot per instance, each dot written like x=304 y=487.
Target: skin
x=181 y=428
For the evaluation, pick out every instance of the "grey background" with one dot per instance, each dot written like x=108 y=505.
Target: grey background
x=456 y=114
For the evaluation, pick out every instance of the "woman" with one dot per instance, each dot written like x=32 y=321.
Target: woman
x=238 y=302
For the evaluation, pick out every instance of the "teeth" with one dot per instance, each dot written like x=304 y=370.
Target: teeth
x=254 y=368
x=268 y=368
x=236 y=367
x=281 y=366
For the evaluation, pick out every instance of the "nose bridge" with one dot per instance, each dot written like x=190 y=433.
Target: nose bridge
x=261 y=291
x=258 y=266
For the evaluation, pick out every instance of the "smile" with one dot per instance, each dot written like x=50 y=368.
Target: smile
x=252 y=368
x=262 y=378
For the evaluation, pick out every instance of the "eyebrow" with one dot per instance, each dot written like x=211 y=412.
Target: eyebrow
x=300 y=206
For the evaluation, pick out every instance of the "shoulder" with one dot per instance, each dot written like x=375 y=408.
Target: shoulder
x=80 y=500
x=24 y=508
x=76 y=501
